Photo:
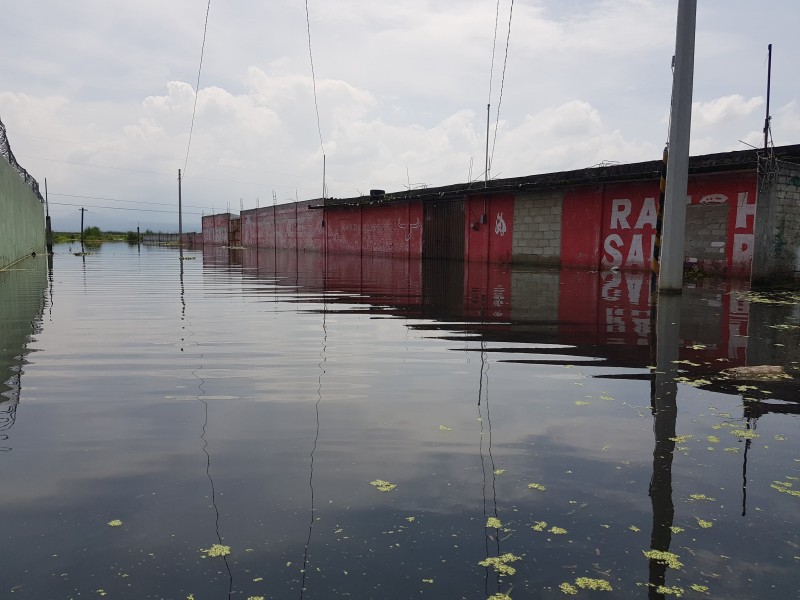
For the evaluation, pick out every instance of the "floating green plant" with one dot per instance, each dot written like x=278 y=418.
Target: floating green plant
x=499 y=596
x=634 y=529
x=670 y=590
x=712 y=439
x=256 y=598
x=445 y=428
x=499 y=471
x=382 y=486
x=557 y=530
x=667 y=558
x=581 y=403
x=733 y=450
x=676 y=529
x=699 y=588
x=539 y=526
x=501 y=563
x=411 y=519
x=784 y=487
x=427 y=581
x=568 y=589
x=588 y=583
x=537 y=486
x=216 y=550
x=114 y=523
x=701 y=497
x=494 y=522
x=704 y=524
x=745 y=434
x=779 y=438
x=681 y=439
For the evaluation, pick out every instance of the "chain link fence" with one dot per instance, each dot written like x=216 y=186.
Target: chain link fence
x=5 y=150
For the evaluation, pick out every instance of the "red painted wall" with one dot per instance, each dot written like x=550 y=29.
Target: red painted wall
x=490 y=241
x=393 y=230
x=614 y=224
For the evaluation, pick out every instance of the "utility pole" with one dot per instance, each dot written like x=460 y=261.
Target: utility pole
x=769 y=82
x=671 y=272
x=486 y=170
x=83 y=210
x=180 y=212
x=48 y=228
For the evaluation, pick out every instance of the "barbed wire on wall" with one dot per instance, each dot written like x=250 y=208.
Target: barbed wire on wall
x=5 y=150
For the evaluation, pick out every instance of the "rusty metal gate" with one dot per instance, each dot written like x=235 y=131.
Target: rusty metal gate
x=443 y=232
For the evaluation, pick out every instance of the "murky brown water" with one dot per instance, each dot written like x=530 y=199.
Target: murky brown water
x=248 y=399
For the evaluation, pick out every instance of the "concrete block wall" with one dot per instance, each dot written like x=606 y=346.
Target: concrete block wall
x=706 y=232
x=537 y=227
x=777 y=227
x=21 y=218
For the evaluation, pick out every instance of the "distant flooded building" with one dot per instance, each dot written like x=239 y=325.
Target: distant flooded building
x=743 y=217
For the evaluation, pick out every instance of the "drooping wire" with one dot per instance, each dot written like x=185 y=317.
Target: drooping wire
x=197 y=87
x=314 y=79
x=502 y=82
x=494 y=47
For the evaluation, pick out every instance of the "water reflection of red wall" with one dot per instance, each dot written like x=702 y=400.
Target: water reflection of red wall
x=613 y=308
x=487 y=291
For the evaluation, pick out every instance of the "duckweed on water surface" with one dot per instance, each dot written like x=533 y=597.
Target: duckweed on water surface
x=701 y=497
x=668 y=558
x=704 y=524
x=500 y=563
x=568 y=589
x=670 y=590
x=494 y=522
x=699 y=588
x=114 y=523
x=588 y=583
x=383 y=486
x=537 y=486
x=539 y=526
x=784 y=487
x=216 y=550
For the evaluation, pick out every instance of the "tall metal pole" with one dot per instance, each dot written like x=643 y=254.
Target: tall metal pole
x=180 y=211
x=83 y=210
x=486 y=171
x=48 y=227
x=671 y=272
x=769 y=83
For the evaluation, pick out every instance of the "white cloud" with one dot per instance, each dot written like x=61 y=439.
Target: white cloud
x=724 y=109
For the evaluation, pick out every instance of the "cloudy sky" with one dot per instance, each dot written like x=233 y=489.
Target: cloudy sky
x=97 y=95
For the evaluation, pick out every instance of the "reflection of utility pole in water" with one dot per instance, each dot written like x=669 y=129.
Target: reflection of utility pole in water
x=312 y=515
x=663 y=404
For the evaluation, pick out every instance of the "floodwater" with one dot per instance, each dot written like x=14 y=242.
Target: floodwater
x=538 y=427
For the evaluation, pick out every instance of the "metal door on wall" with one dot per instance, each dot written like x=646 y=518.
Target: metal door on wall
x=443 y=232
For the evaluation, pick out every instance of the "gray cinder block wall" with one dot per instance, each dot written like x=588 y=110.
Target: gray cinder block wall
x=537 y=227
x=777 y=226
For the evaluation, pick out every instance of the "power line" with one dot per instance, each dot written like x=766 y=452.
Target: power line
x=502 y=80
x=314 y=79
x=197 y=87
x=119 y=200
x=152 y=210
x=494 y=46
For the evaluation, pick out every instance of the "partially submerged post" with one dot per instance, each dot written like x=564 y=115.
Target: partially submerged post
x=180 y=214
x=671 y=271
x=48 y=228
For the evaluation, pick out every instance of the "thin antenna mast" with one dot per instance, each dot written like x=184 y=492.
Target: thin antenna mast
x=769 y=84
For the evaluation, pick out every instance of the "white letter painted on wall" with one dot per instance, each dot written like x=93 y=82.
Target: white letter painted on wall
x=500 y=225
x=610 y=246
x=620 y=209
x=743 y=211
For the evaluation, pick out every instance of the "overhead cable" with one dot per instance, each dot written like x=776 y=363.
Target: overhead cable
x=197 y=87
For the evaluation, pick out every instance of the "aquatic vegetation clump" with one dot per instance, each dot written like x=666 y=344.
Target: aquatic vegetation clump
x=676 y=529
x=427 y=581
x=568 y=589
x=499 y=596
x=114 y=523
x=667 y=558
x=699 y=588
x=501 y=563
x=499 y=471
x=588 y=583
x=557 y=530
x=670 y=590
x=712 y=439
x=494 y=522
x=784 y=487
x=681 y=439
x=581 y=403
x=383 y=486
x=745 y=434
x=537 y=486
x=701 y=497
x=539 y=526
x=445 y=428
x=255 y=598
x=216 y=550
x=733 y=450
x=634 y=529
x=704 y=524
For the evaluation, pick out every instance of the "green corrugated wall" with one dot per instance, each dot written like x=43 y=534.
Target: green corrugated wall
x=21 y=218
